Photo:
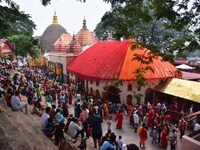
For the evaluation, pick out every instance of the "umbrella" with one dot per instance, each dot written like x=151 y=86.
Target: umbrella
x=184 y=66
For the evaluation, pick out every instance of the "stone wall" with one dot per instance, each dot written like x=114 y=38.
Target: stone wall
x=189 y=143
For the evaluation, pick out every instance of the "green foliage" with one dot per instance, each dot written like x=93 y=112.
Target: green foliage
x=13 y=21
x=138 y=95
x=166 y=27
x=25 y=44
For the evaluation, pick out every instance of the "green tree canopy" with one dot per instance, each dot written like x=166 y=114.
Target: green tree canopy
x=13 y=21
x=25 y=44
x=18 y=28
x=165 y=26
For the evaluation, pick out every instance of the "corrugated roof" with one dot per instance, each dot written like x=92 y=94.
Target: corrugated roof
x=181 y=88
x=113 y=59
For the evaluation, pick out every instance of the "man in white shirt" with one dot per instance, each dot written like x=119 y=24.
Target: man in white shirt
x=136 y=121
x=44 y=118
x=85 y=114
x=74 y=129
x=17 y=104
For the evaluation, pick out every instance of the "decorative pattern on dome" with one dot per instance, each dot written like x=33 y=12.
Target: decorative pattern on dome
x=74 y=47
x=84 y=36
x=61 y=44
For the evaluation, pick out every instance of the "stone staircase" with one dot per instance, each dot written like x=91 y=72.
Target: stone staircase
x=22 y=132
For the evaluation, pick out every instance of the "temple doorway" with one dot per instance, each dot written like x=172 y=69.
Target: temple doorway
x=149 y=95
x=112 y=94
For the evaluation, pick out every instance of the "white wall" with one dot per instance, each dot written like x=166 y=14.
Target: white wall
x=124 y=92
x=59 y=59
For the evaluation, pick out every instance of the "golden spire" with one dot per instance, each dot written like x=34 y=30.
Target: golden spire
x=55 y=19
x=84 y=24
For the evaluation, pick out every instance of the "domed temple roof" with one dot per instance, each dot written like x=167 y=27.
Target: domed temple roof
x=52 y=33
x=84 y=36
x=61 y=44
x=74 y=47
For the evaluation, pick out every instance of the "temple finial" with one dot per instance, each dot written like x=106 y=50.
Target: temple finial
x=55 y=19
x=84 y=24
x=73 y=38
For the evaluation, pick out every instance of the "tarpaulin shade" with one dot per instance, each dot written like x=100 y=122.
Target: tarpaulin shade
x=181 y=88
x=114 y=60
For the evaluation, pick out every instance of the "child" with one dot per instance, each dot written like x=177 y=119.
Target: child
x=109 y=122
x=120 y=143
x=59 y=134
x=154 y=135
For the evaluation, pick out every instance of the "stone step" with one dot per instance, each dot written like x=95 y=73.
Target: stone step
x=20 y=128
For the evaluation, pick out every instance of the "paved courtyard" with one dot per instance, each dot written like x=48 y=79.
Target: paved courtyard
x=128 y=135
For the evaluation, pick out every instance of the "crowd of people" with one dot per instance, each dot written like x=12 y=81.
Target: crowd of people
x=51 y=101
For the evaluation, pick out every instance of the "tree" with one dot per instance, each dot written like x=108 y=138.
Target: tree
x=13 y=21
x=17 y=27
x=166 y=27
x=25 y=44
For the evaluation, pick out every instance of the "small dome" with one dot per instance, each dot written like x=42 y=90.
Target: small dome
x=61 y=44
x=74 y=47
x=51 y=34
x=84 y=36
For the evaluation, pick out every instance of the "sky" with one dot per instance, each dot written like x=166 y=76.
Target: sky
x=70 y=13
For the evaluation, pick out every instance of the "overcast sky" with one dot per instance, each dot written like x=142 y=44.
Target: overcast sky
x=70 y=13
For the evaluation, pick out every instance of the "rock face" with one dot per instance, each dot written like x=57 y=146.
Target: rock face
x=21 y=132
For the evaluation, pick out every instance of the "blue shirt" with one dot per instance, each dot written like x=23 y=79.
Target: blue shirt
x=107 y=145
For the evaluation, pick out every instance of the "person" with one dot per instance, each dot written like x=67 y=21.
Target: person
x=44 y=118
x=59 y=134
x=48 y=98
x=109 y=122
x=17 y=104
x=106 y=137
x=74 y=129
x=145 y=120
x=109 y=145
x=38 y=103
x=8 y=96
x=48 y=103
x=154 y=135
x=173 y=140
x=2 y=92
x=95 y=122
x=37 y=111
x=163 y=136
x=52 y=112
x=68 y=123
x=120 y=143
x=143 y=135
x=58 y=118
x=136 y=121
x=85 y=115
x=105 y=110
x=119 y=118
x=182 y=127
x=50 y=128
x=132 y=147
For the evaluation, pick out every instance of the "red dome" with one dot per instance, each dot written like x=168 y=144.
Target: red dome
x=61 y=44
x=84 y=36
x=74 y=47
